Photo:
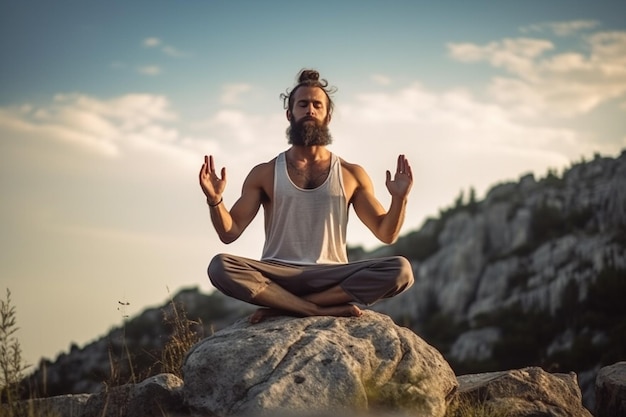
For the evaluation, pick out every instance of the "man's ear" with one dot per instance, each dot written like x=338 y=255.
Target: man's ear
x=328 y=118
x=288 y=114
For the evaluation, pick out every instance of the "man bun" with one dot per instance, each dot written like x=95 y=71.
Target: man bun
x=309 y=76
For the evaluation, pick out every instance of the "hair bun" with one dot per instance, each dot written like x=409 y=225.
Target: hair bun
x=308 y=75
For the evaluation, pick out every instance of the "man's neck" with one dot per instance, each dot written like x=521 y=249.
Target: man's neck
x=308 y=154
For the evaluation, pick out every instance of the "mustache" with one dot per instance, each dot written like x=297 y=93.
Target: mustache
x=308 y=119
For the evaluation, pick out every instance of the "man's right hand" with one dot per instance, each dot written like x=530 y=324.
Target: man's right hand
x=212 y=185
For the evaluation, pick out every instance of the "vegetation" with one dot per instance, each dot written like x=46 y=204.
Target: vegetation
x=469 y=407
x=11 y=365
x=597 y=326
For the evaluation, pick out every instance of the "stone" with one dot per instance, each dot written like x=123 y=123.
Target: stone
x=154 y=397
x=611 y=391
x=527 y=392
x=61 y=405
x=321 y=365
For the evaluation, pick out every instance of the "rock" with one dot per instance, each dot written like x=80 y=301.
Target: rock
x=527 y=392
x=157 y=396
x=317 y=364
x=611 y=391
x=154 y=397
x=475 y=344
x=62 y=405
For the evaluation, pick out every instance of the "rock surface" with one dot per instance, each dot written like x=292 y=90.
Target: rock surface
x=611 y=391
x=317 y=364
x=527 y=392
x=156 y=396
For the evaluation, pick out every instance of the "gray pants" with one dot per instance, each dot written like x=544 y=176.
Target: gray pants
x=365 y=281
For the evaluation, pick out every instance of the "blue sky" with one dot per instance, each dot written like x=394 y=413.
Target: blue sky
x=107 y=108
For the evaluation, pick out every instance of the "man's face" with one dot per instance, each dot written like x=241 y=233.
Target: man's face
x=309 y=118
x=310 y=103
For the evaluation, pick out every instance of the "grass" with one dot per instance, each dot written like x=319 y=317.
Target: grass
x=183 y=333
x=11 y=364
x=465 y=407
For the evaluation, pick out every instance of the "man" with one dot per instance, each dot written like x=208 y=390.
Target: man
x=306 y=192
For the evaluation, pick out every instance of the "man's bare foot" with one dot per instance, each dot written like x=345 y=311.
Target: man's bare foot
x=347 y=310
x=263 y=313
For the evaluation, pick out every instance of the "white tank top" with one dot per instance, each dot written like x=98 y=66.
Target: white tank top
x=307 y=226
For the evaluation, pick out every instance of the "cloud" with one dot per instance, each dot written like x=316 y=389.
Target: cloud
x=173 y=52
x=562 y=28
x=381 y=79
x=514 y=55
x=564 y=84
x=169 y=50
x=231 y=93
x=106 y=127
x=151 y=42
x=151 y=70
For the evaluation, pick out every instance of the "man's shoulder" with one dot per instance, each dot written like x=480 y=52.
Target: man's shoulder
x=354 y=170
x=264 y=166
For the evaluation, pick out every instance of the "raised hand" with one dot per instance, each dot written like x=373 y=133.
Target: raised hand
x=402 y=179
x=212 y=185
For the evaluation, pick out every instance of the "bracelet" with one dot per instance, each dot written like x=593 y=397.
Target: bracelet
x=216 y=204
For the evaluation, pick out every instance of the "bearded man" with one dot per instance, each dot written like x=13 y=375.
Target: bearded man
x=306 y=192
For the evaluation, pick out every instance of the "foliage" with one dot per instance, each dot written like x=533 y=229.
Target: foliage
x=184 y=334
x=418 y=246
x=464 y=406
x=11 y=364
x=597 y=326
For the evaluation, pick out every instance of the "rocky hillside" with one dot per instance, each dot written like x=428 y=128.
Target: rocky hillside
x=533 y=275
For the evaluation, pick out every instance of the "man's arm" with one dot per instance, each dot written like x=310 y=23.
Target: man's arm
x=229 y=225
x=385 y=225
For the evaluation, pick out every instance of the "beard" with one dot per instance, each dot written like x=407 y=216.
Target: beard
x=308 y=132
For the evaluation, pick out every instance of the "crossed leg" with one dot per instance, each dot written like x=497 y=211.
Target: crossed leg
x=277 y=301
x=312 y=290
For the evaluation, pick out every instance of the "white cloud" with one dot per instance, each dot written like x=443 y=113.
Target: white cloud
x=151 y=70
x=151 y=42
x=564 y=84
x=514 y=55
x=231 y=93
x=154 y=42
x=106 y=127
x=562 y=28
x=381 y=79
x=173 y=52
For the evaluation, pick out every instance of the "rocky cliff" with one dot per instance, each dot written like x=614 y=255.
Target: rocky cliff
x=532 y=275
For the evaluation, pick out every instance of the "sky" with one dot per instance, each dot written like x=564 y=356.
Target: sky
x=108 y=108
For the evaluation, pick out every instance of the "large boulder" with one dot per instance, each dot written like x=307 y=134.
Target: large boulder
x=317 y=365
x=528 y=392
x=611 y=391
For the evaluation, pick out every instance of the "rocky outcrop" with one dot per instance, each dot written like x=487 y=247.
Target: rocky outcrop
x=552 y=250
x=527 y=392
x=156 y=396
x=611 y=391
x=322 y=366
x=317 y=364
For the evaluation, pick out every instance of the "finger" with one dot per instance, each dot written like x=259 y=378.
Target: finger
x=211 y=164
x=223 y=173
x=388 y=173
x=409 y=171
x=204 y=167
x=399 y=165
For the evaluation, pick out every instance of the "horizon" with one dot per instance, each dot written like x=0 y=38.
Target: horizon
x=106 y=112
